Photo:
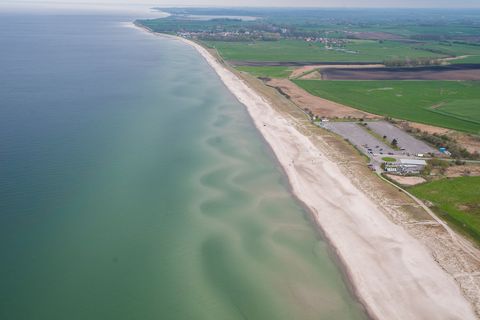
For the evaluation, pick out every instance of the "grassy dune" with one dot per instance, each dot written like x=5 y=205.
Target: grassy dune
x=458 y=200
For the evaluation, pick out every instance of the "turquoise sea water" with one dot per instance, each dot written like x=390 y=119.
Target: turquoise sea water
x=134 y=186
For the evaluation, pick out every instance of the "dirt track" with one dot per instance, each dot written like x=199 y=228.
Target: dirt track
x=309 y=68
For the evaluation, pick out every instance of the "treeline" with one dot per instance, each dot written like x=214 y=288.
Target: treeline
x=442 y=140
x=416 y=62
x=432 y=50
x=436 y=37
x=238 y=37
x=446 y=142
x=467 y=43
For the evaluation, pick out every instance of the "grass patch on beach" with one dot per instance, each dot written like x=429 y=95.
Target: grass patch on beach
x=448 y=104
x=389 y=159
x=456 y=199
x=301 y=51
x=268 y=72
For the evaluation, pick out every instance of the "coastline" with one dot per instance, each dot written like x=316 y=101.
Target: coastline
x=393 y=275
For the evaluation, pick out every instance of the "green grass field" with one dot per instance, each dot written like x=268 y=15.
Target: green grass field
x=296 y=50
x=469 y=59
x=426 y=29
x=452 y=49
x=268 y=72
x=448 y=104
x=456 y=199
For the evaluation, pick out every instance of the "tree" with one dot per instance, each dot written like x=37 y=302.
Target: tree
x=394 y=142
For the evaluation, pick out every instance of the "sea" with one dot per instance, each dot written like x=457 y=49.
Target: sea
x=133 y=185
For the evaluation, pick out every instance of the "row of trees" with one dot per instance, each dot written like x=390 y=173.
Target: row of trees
x=442 y=140
x=238 y=37
x=412 y=62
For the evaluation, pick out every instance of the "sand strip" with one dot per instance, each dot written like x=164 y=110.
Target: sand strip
x=394 y=275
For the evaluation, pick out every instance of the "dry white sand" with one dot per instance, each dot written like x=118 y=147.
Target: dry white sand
x=393 y=274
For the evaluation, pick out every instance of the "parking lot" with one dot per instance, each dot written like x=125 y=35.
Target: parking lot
x=368 y=143
x=404 y=140
x=359 y=137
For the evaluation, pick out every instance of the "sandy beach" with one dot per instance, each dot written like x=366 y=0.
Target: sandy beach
x=393 y=275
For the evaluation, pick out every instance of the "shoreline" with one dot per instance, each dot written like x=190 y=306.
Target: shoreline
x=385 y=265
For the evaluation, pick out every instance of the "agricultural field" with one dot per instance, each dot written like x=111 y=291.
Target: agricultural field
x=299 y=50
x=468 y=59
x=267 y=72
x=392 y=36
x=449 y=72
x=417 y=24
x=455 y=199
x=436 y=29
x=452 y=48
x=448 y=104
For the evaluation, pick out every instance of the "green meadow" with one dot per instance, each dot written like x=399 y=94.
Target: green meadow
x=267 y=72
x=298 y=50
x=453 y=49
x=457 y=200
x=468 y=59
x=448 y=104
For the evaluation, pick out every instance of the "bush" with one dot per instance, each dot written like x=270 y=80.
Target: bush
x=448 y=143
x=439 y=163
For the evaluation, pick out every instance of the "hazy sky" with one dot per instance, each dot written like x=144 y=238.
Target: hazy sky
x=266 y=3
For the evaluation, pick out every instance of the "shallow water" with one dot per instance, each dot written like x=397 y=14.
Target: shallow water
x=134 y=186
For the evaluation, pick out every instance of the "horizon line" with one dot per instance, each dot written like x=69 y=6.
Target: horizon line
x=305 y=7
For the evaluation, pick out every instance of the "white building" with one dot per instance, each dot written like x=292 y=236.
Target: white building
x=406 y=166
x=417 y=162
